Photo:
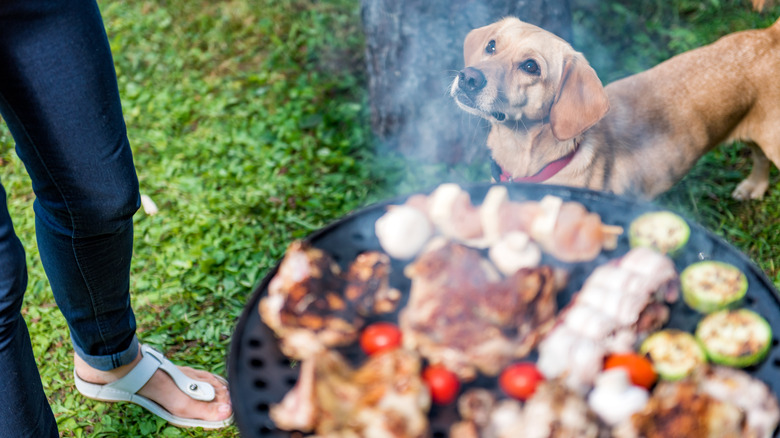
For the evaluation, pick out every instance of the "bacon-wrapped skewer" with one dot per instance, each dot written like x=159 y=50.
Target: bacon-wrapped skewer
x=620 y=302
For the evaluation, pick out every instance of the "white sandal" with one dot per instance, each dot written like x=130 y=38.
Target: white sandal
x=125 y=389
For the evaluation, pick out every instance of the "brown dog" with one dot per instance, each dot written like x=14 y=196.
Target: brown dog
x=552 y=121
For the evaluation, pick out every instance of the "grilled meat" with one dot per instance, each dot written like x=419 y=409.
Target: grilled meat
x=749 y=394
x=679 y=409
x=312 y=304
x=384 y=398
x=553 y=411
x=463 y=314
x=714 y=402
x=619 y=302
x=368 y=284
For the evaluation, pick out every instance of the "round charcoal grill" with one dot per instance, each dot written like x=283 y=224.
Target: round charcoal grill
x=260 y=375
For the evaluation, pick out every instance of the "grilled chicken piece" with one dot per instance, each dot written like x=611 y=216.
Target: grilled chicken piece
x=463 y=314
x=679 y=409
x=368 y=284
x=312 y=305
x=553 y=411
x=619 y=302
x=384 y=398
x=298 y=409
x=749 y=394
x=714 y=402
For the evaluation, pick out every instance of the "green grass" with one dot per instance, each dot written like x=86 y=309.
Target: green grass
x=249 y=126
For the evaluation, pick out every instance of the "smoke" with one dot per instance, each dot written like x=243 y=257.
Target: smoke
x=414 y=50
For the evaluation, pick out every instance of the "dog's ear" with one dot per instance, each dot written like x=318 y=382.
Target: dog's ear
x=475 y=42
x=580 y=101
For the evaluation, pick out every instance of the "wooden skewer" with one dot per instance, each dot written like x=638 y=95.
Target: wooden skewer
x=611 y=234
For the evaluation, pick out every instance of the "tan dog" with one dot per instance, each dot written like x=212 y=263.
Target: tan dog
x=552 y=121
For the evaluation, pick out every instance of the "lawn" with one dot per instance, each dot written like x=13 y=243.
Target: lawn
x=249 y=125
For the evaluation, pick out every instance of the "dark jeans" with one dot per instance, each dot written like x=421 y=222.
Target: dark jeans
x=59 y=97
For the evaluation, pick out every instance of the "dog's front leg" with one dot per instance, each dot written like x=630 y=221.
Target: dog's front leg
x=755 y=185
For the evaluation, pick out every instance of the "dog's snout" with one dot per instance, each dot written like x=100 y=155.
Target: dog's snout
x=471 y=80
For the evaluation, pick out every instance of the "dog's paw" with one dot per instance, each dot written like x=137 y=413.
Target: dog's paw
x=748 y=189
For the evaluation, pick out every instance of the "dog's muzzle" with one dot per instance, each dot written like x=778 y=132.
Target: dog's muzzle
x=471 y=81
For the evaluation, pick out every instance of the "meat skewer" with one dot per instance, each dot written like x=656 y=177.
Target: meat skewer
x=565 y=230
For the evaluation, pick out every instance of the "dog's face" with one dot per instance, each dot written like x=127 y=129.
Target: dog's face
x=517 y=71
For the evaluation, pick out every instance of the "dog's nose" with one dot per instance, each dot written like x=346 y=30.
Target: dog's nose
x=471 y=80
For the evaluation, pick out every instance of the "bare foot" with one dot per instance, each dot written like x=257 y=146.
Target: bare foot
x=161 y=389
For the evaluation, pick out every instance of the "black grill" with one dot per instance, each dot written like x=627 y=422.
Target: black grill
x=260 y=375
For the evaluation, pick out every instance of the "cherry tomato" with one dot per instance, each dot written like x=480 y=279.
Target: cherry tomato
x=520 y=380
x=380 y=336
x=443 y=384
x=640 y=369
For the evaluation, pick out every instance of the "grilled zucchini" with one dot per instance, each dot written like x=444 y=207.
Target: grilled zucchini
x=710 y=286
x=663 y=231
x=737 y=338
x=674 y=353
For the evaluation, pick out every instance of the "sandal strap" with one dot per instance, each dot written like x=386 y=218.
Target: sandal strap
x=151 y=361
x=197 y=389
x=137 y=377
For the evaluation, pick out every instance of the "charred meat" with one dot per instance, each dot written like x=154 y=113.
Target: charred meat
x=463 y=314
x=384 y=398
x=312 y=304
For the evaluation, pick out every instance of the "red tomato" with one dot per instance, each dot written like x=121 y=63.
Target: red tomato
x=520 y=380
x=443 y=384
x=380 y=336
x=640 y=369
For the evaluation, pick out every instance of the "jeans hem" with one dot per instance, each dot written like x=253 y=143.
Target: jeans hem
x=108 y=363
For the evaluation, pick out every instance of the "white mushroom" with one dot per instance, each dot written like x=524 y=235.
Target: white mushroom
x=403 y=231
x=514 y=252
x=614 y=398
x=490 y=213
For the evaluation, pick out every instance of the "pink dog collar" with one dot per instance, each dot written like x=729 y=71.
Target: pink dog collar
x=546 y=173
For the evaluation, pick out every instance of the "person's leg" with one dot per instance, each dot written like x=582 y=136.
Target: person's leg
x=24 y=411
x=61 y=103
x=59 y=97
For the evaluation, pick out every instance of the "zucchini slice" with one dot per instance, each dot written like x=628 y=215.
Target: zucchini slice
x=710 y=286
x=736 y=338
x=674 y=353
x=663 y=231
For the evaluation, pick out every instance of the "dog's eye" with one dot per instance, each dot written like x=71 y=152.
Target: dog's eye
x=530 y=66
x=491 y=47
